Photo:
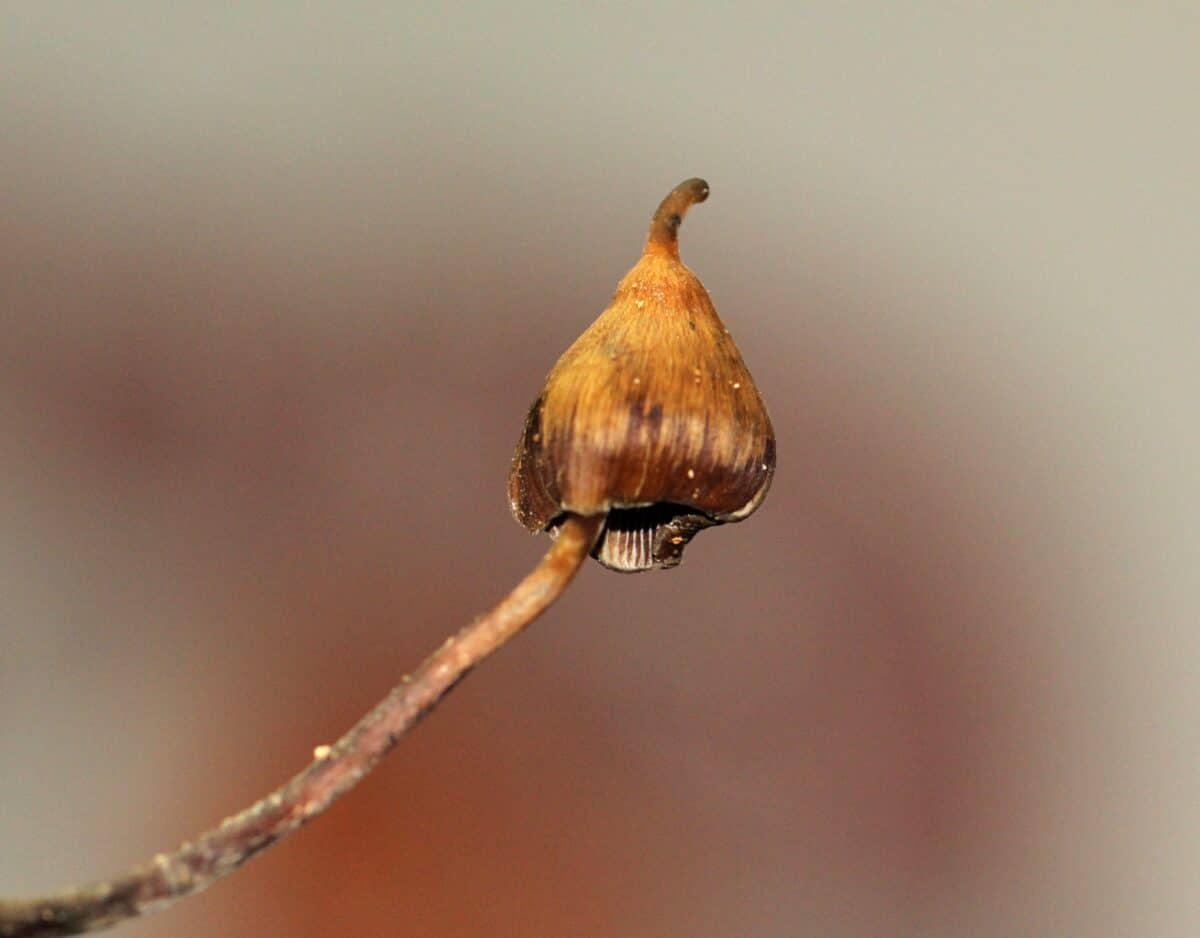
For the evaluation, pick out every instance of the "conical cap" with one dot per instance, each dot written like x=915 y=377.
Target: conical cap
x=650 y=416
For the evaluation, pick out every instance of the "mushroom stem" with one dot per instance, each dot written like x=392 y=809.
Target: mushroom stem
x=664 y=228
x=335 y=769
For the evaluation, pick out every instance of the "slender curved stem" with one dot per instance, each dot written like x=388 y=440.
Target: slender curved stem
x=335 y=770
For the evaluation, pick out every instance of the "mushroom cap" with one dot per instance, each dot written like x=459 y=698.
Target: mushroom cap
x=650 y=416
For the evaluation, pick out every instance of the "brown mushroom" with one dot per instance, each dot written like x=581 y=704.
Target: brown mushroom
x=650 y=417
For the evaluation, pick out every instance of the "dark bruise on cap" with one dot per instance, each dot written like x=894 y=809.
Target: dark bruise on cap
x=650 y=417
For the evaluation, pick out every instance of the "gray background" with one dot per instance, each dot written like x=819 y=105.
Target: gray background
x=277 y=283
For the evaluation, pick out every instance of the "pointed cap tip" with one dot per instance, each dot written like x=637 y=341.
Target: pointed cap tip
x=664 y=228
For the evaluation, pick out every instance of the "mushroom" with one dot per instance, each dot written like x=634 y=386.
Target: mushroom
x=650 y=417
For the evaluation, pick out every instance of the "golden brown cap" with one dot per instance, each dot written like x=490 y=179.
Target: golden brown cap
x=650 y=416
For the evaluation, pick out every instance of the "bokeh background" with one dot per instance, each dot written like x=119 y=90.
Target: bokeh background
x=277 y=284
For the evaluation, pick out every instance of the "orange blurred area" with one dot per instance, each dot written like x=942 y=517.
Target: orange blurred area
x=278 y=288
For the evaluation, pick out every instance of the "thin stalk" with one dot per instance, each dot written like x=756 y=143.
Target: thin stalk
x=335 y=769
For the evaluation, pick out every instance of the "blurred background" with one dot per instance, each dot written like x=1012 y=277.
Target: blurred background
x=278 y=284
